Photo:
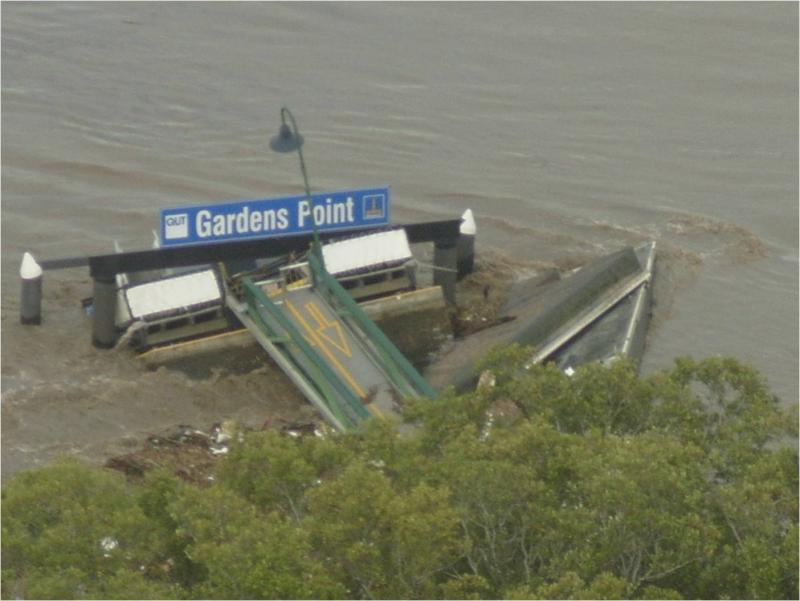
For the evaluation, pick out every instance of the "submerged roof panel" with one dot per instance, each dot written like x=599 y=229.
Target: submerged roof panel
x=368 y=251
x=172 y=294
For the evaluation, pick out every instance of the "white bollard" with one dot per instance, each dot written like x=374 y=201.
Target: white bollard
x=31 y=302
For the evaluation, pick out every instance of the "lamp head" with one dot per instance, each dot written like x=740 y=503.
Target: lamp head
x=286 y=140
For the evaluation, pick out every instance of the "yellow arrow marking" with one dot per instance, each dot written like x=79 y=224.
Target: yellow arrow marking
x=340 y=342
x=331 y=357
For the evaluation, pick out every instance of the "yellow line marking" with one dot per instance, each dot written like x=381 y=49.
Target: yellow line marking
x=324 y=324
x=180 y=345
x=298 y=284
x=331 y=357
x=376 y=410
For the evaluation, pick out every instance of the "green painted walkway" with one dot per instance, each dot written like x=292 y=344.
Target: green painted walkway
x=330 y=349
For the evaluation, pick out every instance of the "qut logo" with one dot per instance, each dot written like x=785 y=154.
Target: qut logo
x=176 y=226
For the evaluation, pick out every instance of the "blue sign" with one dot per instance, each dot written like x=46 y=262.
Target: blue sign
x=264 y=218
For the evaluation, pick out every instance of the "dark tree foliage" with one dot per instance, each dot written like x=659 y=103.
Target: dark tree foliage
x=601 y=485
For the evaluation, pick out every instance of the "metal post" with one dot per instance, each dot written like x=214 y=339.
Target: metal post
x=104 y=327
x=316 y=246
x=466 y=244
x=445 y=261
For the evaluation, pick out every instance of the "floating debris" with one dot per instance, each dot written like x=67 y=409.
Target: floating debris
x=108 y=544
x=192 y=454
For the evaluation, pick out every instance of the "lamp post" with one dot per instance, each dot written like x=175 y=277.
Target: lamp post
x=288 y=140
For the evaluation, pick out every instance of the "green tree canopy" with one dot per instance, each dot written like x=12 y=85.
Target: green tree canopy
x=73 y=531
x=682 y=484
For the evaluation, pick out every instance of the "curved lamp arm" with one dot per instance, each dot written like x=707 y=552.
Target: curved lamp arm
x=286 y=141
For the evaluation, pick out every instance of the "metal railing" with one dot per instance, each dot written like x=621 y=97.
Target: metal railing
x=341 y=400
x=398 y=367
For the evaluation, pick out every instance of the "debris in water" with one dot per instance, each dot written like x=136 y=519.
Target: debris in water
x=108 y=544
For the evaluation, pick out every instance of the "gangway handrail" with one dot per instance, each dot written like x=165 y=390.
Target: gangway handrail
x=384 y=345
x=353 y=405
x=262 y=332
x=340 y=416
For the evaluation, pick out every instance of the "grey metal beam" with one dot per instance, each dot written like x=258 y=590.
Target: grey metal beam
x=181 y=256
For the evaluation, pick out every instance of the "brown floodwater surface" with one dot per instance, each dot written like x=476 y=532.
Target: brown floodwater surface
x=570 y=129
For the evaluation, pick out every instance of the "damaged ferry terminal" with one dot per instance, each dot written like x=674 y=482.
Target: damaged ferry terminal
x=339 y=309
x=356 y=338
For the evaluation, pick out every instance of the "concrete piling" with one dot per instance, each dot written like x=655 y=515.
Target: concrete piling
x=466 y=244
x=445 y=264
x=31 y=299
x=104 y=327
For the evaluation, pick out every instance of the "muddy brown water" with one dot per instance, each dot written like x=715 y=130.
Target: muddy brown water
x=569 y=129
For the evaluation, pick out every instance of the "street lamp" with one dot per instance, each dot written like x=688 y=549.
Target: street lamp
x=288 y=140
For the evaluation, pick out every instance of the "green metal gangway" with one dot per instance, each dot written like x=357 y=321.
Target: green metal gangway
x=341 y=361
